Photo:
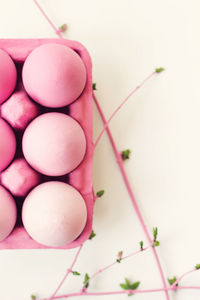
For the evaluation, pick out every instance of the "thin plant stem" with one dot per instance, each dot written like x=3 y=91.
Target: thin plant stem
x=115 y=262
x=121 y=292
x=174 y=285
x=120 y=106
x=67 y=273
x=133 y=200
x=48 y=19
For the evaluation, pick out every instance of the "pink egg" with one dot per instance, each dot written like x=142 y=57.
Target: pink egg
x=54 y=214
x=19 y=178
x=19 y=110
x=54 y=144
x=8 y=213
x=54 y=75
x=8 y=76
x=7 y=144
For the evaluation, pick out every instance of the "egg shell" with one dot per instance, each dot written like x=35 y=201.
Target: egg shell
x=54 y=75
x=8 y=213
x=54 y=214
x=19 y=178
x=8 y=76
x=19 y=110
x=54 y=144
x=7 y=144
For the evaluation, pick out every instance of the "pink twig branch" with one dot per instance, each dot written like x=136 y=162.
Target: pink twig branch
x=48 y=19
x=115 y=262
x=133 y=200
x=120 y=106
x=188 y=288
x=121 y=292
x=174 y=285
x=109 y=293
x=67 y=273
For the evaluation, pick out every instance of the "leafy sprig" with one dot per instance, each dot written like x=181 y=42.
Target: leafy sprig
x=129 y=286
x=172 y=280
x=94 y=86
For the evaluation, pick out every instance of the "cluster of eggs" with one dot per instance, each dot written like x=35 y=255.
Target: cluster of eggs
x=53 y=144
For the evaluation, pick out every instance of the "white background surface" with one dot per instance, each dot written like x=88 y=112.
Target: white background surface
x=127 y=39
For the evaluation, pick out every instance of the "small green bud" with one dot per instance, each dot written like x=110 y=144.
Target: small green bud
x=126 y=154
x=197 y=267
x=100 y=193
x=159 y=70
x=76 y=273
x=92 y=235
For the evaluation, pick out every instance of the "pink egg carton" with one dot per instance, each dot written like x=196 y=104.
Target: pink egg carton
x=80 y=110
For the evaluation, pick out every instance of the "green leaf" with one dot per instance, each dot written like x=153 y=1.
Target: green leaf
x=197 y=267
x=141 y=245
x=172 y=280
x=86 y=280
x=135 y=285
x=33 y=297
x=92 y=235
x=127 y=283
x=155 y=233
x=156 y=244
x=159 y=70
x=125 y=154
x=123 y=286
x=76 y=273
x=100 y=193
x=94 y=86
x=118 y=260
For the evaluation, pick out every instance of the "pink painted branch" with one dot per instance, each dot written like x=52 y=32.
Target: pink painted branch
x=134 y=203
x=109 y=293
x=48 y=19
x=182 y=276
x=120 y=106
x=67 y=273
x=115 y=262
x=188 y=287
x=121 y=292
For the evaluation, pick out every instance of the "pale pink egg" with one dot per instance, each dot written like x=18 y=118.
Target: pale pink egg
x=8 y=76
x=54 y=214
x=54 y=75
x=19 y=110
x=7 y=144
x=8 y=213
x=54 y=144
x=19 y=178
